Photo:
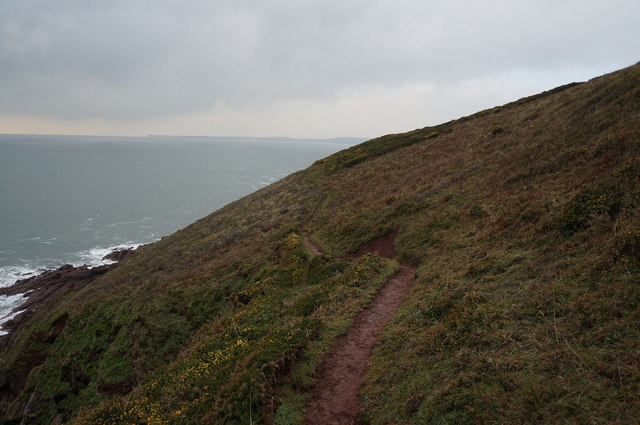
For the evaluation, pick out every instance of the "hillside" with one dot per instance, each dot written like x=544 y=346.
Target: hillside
x=522 y=222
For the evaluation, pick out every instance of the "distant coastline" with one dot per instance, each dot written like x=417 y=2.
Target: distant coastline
x=341 y=140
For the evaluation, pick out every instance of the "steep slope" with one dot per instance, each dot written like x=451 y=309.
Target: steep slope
x=522 y=222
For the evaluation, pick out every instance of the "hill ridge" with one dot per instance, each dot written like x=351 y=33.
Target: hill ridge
x=522 y=223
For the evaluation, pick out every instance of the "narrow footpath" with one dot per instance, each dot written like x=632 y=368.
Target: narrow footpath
x=335 y=400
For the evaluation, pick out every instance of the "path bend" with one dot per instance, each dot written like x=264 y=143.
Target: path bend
x=335 y=399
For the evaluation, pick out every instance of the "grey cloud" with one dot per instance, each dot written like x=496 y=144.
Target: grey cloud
x=123 y=59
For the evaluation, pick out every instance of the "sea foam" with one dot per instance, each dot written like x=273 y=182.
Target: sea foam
x=9 y=308
x=10 y=305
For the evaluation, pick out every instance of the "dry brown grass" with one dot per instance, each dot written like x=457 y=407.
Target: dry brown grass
x=522 y=221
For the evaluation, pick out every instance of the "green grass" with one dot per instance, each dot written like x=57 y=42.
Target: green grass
x=231 y=371
x=522 y=221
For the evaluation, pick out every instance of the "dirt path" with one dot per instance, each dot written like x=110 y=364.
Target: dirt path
x=335 y=399
x=311 y=246
x=305 y=240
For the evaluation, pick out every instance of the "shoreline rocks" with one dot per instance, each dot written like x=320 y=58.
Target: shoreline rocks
x=119 y=254
x=38 y=290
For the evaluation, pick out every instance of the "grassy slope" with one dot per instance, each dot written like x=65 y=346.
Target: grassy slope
x=523 y=221
x=524 y=224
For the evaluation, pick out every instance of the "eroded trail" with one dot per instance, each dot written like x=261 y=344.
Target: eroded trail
x=335 y=400
x=311 y=246
x=305 y=240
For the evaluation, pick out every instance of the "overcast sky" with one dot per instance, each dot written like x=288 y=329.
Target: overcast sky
x=299 y=68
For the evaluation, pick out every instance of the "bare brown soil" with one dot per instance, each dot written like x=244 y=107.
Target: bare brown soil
x=383 y=246
x=335 y=399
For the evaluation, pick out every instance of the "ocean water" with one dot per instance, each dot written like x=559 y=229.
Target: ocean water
x=73 y=199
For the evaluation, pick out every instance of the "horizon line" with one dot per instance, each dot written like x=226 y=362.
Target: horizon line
x=187 y=136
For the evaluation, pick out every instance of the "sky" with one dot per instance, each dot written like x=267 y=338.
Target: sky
x=297 y=68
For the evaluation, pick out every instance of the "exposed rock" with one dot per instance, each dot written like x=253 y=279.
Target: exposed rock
x=119 y=254
x=38 y=292
x=40 y=289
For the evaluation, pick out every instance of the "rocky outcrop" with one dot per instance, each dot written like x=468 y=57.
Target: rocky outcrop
x=119 y=254
x=39 y=290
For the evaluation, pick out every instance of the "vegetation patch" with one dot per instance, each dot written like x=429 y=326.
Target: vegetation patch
x=381 y=146
x=524 y=308
x=235 y=364
x=589 y=203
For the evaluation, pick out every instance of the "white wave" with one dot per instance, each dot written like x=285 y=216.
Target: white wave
x=126 y=223
x=9 y=274
x=7 y=305
x=94 y=257
x=270 y=179
x=90 y=219
x=37 y=238
x=91 y=257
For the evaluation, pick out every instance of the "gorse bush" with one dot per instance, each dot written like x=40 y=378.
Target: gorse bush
x=236 y=362
x=590 y=203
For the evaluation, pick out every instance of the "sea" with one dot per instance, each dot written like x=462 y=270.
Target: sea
x=74 y=199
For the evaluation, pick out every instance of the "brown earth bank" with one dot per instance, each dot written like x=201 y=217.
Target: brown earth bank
x=384 y=247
